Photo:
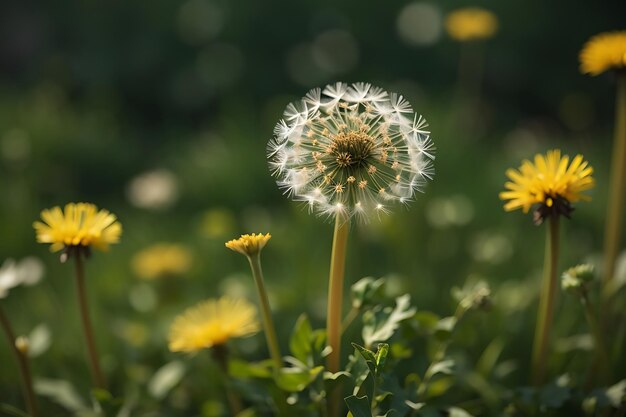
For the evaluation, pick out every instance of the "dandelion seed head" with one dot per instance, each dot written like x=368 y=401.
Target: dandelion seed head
x=348 y=149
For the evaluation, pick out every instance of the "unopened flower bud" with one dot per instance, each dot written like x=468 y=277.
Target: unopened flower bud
x=21 y=343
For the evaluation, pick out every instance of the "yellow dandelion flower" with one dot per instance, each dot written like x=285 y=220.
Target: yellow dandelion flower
x=249 y=244
x=471 y=23
x=78 y=225
x=551 y=181
x=212 y=322
x=162 y=260
x=604 y=52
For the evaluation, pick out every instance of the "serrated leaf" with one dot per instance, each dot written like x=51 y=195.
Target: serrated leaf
x=166 y=378
x=358 y=406
x=301 y=338
x=380 y=326
x=295 y=380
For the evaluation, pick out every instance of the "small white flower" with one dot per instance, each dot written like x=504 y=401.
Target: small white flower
x=351 y=150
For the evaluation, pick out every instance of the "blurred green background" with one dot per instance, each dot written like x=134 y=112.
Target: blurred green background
x=161 y=111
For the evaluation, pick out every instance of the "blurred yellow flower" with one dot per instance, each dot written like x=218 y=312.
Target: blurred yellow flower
x=212 y=322
x=78 y=225
x=249 y=244
x=162 y=260
x=550 y=181
x=217 y=223
x=604 y=52
x=471 y=23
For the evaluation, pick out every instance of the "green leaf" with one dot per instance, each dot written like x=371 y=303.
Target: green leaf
x=458 y=412
x=445 y=328
x=12 y=411
x=380 y=325
x=381 y=356
x=333 y=380
x=367 y=291
x=616 y=393
x=368 y=355
x=166 y=378
x=301 y=338
x=61 y=392
x=295 y=380
x=244 y=370
x=358 y=406
x=427 y=320
x=442 y=367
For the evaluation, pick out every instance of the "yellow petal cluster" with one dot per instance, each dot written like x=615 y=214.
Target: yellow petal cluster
x=249 y=244
x=471 y=23
x=604 y=52
x=162 y=260
x=549 y=177
x=78 y=224
x=212 y=322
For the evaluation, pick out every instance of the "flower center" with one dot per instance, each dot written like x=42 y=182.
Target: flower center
x=351 y=149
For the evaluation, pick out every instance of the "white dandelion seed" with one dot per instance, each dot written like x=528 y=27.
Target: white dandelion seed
x=351 y=150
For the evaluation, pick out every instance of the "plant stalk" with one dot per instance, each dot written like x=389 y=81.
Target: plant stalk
x=547 y=297
x=335 y=299
x=220 y=354
x=335 y=291
x=92 y=354
x=602 y=353
x=615 y=204
x=268 y=323
x=22 y=361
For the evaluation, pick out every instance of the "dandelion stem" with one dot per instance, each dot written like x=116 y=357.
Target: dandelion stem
x=335 y=299
x=615 y=205
x=546 y=302
x=92 y=354
x=268 y=323
x=602 y=356
x=220 y=354
x=22 y=360
x=335 y=291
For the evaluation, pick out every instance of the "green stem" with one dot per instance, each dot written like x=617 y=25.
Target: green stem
x=220 y=354
x=546 y=303
x=602 y=353
x=268 y=323
x=92 y=354
x=335 y=291
x=22 y=361
x=335 y=299
x=615 y=204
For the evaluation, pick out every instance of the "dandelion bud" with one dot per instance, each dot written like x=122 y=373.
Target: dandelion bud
x=21 y=343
